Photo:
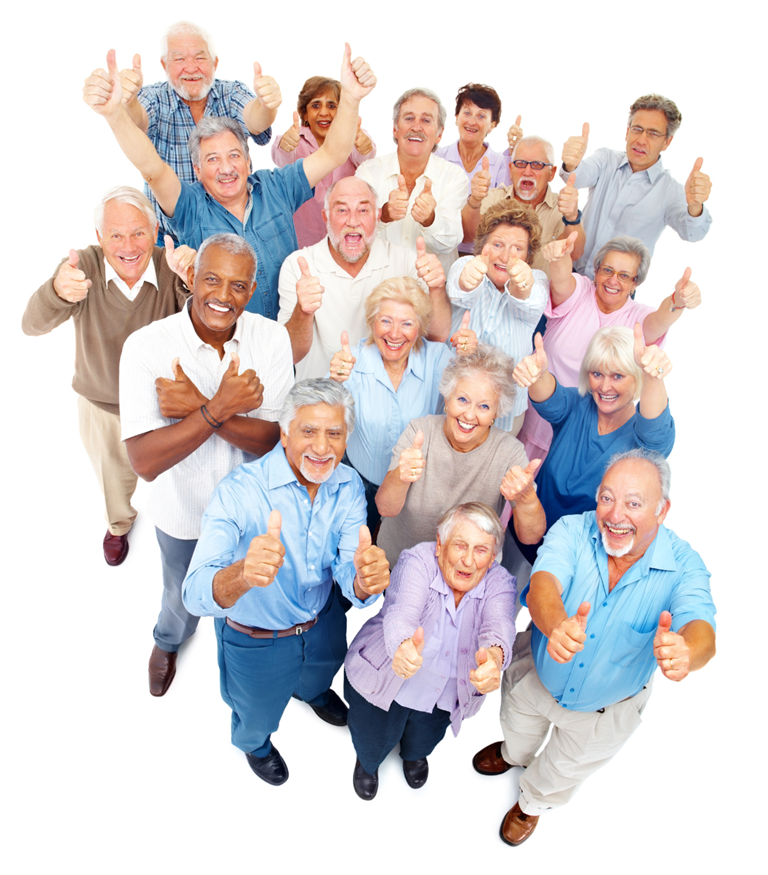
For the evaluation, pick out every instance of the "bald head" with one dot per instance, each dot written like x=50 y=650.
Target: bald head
x=350 y=215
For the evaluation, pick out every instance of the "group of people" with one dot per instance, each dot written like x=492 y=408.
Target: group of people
x=358 y=416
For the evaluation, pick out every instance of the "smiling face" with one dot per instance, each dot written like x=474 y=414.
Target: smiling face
x=529 y=185
x=469 y=413
x=474 y=124
x=465 y=556
x=127 y=240
x=189 y=67
x=395 y=330
x=506 y=242
x=315 y=443
x=221 y=288
x=612 y=391
x=644 y=151
x=351 y=219
x=320 y=112
x=612 y=293
x=223 y=169
x=630 y=508
x=416 y=132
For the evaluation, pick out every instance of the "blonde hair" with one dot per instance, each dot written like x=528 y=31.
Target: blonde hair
x=401 y=290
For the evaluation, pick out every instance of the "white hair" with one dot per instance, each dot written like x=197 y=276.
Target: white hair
x=124 y=194
x=186 y=28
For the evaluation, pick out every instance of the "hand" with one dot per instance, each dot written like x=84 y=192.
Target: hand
x=475 y=269
x=575 y=148
x=309 y=292
x=265 y=554
x=487 y=676
x=557 y=249
x=428 y=266
x=408 y=658
x=671 y=650
x=518 y=482
x=520 y=278
x=423 y=209
x=531 y=368
x=357 y=79
x=697 y=186
x=397 y=205
x=363 y=142
x=103 y=90
x=514 y=134
x=237 y=393
x=412 y=460
x=464 y=341
x=371 y=566
x=650 y=359
x=568 y=637
x=568 y=200
x=290 y=139
x=179 y=259
x=266 y=89
x=132 y=80
x=343 y=361
x=180 y=396
x=70 y=283
x=481 y=183
x=687 y=294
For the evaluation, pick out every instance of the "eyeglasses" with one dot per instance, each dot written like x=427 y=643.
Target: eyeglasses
x=652 y=135
x=535 y=165
x=623 y=276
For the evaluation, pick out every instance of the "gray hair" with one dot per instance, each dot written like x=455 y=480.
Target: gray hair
x=307 y=393
x=656 y=459
x=612 y=348
x=662 y=104
x=489 y=362
x=231 y=243
x=630 y=245
x=124 y=194
x=420 y=92
x=477 y=513
x=535 y=141
x=372 y=191
x=212 y=126
x=186 y=28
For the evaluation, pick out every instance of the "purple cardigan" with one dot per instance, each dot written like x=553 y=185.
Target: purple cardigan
x=410 y=602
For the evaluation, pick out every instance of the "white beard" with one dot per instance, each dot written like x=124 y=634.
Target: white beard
x=617 y=553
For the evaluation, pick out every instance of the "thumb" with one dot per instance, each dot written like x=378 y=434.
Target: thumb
x=486 y=254
x=74 y=258
x=585 y=130
x=137 y=63
x=421 y=248
x=401 y=184
x=572 y=237
x=427 y=186
x=345 y=341
x=364 y=541
x=533 y=466
x=639 y=340
x=256 y=70
x=697 y=165
x=486 y=164
x=359 y=123
x=683 y=281
x=465 y=319
x=418 y=441
x=296 y=122
x=303 y=266
x=234 y=364
x=518 y=120
x=538 y=342
x=169 y=245
x=581 y=615
x=572 y=180
x=665 y=622
x=178 y=371
x=274 y=524
x=347 y=54
x=111 y=63
x=481 y=656
x=418 y=640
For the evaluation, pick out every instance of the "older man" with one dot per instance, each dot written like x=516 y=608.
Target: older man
x=630 y=192
x=110 y=291
x=323 y=288
x=276 y=535
x=422 y=195
x=259 y=207
x=194 y=408
x=531 y=168
x=168 y=111
x=613 y=595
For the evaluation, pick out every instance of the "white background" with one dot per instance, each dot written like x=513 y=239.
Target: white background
x=100 y=777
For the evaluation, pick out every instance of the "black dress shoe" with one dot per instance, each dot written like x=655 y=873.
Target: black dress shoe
x=416 y=772
x=162 y=671
x=271 y=768
x=334 y=711
x=365 y=785
x=115 y=548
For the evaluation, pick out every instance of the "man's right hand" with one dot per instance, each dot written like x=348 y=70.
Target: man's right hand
x=237 y=393
x=70 y=283
x=265 y=554
x=568 y=637
x=575 y=148
x=309 y=292
x=397 y=205
x=180 y=396
x=103 y=90
x=290 y=139
x=132 y=80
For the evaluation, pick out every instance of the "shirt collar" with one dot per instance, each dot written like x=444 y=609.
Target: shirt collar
x=550 y=198
x=659 y=554
x=654 y=171
x=149 y=276
x=193 y=339
x=372 y=363
x=280 y=473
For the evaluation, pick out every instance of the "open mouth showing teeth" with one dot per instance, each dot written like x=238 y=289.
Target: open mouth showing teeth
x=466 y=426
x=618 y=531
x=129 y=259
x=219 y=308
x=394 y=346
x=608 y=398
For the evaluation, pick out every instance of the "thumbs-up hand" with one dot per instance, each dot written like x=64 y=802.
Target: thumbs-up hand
x=575 y=148
x=687 y=294
x=70 y=283
x=178 y=397
x=518 y=482
x=568 y=637
x=179 y=258
x=697 y=188
x=265 y=554
x=481 y=183
x=356 y=77
x=557 y=249
x=475 y=269
x=290 y=139
x=520 y=283
x=487 y=676
x=266 y=88
x=423 y=209
x=132 y=80
x=103 y=89
x=568 y=200
x=514 y=134
x=652 y=360
x=343 y=361
x=464 y=340
x=309 y=292
x=371 y=566
x=237 y=393
x=363 y=143
x=408 y=659
x=397 y=205
x=671 y=650
x=428 y=266
x=412 y=461
x=530 y=369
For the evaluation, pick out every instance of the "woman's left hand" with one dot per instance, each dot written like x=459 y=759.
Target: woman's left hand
x=687 y=294
x=464 y=341
x=487 y=676
x=343 y=361
x=518 y=482
x=652 y=360
x=520 y=277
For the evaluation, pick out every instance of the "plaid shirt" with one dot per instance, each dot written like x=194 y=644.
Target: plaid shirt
x=171 y=123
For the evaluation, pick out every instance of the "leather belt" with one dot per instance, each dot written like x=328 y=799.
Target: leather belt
x=255 y=632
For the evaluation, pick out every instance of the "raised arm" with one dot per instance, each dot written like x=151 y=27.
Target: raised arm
x=655 y=365
x=686 y=296
x=532 y=373
x=132 y=79
x=259 y=114
x=394 y=490
x=566 y=634
x=559 y=254
x=528 y=515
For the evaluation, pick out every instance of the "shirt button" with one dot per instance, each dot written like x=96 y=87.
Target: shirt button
x=605 y=604
x=572 y=690
x=581 y=665
x=592 y=635
x=311 y=567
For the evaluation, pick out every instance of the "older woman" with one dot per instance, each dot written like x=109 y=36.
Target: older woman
x=578 y=307
x=599 y=419
x=316 y=109
x=506 y=298
x=460 y=456
x=447 y=626
x=393 y=375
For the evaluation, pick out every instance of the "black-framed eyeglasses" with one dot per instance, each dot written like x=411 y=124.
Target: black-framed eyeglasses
x=535 y=165
x=652 y=135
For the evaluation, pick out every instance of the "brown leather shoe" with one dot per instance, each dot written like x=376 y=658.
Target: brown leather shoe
x=162 y=671
x=115 y=548
x=489 y=760
x=517 y=826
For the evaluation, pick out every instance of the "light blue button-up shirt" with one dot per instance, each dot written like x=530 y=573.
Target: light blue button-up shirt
x=320 y=539
x=617 y=660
